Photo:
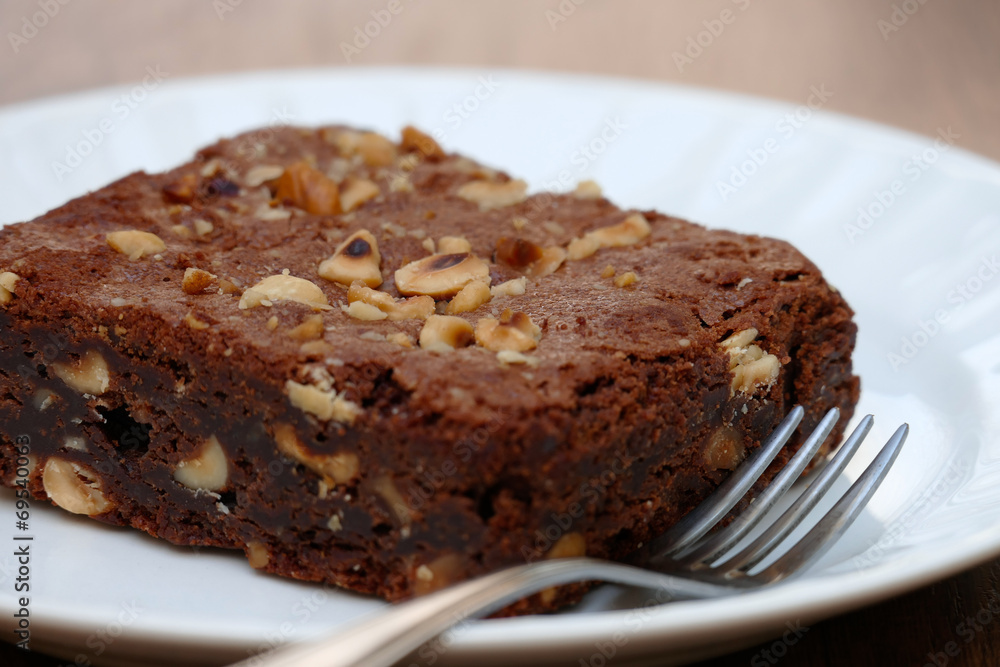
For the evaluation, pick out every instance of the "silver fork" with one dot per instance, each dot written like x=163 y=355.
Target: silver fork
x=685 y=562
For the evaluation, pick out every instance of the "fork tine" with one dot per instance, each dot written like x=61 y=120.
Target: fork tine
x=835 y=522
x=700 y=520
x=766 y=542
x=722 y=541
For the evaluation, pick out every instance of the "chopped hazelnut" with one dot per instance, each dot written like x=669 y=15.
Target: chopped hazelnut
x=440 y=276
x=752 y=368
x=257 y=555
x=510 y=357
x=725 y=449
x=193 y=322
x=376 y=150
x=74 y=487
x=208 y=469
x=324 y=404
x=339 y=467
x=626 y=279
x=631 y=230
x=570 y=545
x=360 y=310
x=490 y=195
x=282 y=287
x=356 y=191
x=307 y=188
x=413 y=308
x=413 y=140
x=311 y=328
x=582 y=248
x=471 y=297
x=400 y=338
x=203 y=227
x=272 y=323
x=587 y=190
x=608 y=271
x=513 y=331
x=8 y=281
x=440 y=572
x=515 y=287
x=89 y=375
x=357 y=258
x=444 y=333
x=428 y=245
x=450 y=245
x=261 y=174
x=385 y=487
x=197 y=281
x=135 y=244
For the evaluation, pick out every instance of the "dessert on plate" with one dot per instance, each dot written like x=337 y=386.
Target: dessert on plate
x=378 y=365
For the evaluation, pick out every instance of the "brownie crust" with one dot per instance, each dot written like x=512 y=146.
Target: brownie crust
x=171 y=390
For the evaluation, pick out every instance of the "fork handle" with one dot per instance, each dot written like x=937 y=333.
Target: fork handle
x=386 y=637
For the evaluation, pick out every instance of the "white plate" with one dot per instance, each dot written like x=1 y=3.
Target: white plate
x=664 y=147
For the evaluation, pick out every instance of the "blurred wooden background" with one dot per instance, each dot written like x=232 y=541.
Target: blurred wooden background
x=916 y=64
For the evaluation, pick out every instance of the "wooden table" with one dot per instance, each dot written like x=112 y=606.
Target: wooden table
x=925 y=65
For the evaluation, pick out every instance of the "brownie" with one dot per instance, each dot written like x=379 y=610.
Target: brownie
x=377 y=365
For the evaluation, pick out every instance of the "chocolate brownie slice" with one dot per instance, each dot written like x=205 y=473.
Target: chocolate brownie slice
x=374 y=364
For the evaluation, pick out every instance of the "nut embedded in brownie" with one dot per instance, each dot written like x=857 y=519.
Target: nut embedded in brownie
x=385 y=367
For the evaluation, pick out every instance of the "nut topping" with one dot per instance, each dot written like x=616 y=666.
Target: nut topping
x=310 y=329
x=356 y=191
x=515 y=287
x=587 y=190
x=324 y=404
x=444 y=333
x=751 y=366
x=89 y=375
x=360 y=310
x=307 y=188
x=357 y=258
x=197 y=281
x=414 y=308
x=283 y=287
x=626 y=279
x=513 y=331
x=74 y=487
x=631 y=230
x=136 y=244
x=490 y=195
x=413 y=140
x=208 y=470
x=529 y=257
x=450 y=245
x=376 y=150
x=262 y=173
x=441 y=276
x=471 y=297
